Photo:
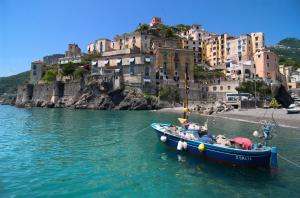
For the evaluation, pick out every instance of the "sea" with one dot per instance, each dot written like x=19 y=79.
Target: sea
x=93 y=153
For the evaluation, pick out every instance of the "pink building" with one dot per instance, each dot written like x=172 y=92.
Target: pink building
x=266 y=63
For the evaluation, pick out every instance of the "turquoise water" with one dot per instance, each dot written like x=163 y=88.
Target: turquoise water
x=85 y=153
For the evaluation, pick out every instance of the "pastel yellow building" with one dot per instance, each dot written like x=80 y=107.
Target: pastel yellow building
x=215 y=50
x=239 y=49
x=171 y=63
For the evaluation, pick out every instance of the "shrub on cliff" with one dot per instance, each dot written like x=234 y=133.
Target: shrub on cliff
x=50 y=75
x=68 y=69
x=79 y=73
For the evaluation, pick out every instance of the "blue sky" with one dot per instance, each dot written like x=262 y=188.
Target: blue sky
x=31 y=29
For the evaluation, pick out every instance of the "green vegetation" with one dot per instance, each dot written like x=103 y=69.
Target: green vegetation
x=68 y=69
x=50 y=75
x=201 y=74
x=181 y=27
x=290 y=42
x=288 y=52
x=262 y=89
x=142 y=28
x=10 y=84
x=170 y=94
x=164 y=31
x=80 y=72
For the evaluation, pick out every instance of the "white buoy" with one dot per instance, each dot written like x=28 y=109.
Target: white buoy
x=184 y=145
x=179 y=146
x=255 y=133
x=163 y=138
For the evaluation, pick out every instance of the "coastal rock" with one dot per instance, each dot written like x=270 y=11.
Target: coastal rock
x=91 y=95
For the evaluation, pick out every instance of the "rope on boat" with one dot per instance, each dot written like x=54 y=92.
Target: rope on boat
x=287 y=160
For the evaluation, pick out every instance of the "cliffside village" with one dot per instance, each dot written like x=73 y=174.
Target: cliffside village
x=148 y=60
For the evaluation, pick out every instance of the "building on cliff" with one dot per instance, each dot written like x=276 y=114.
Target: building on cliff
x=36 y=71
x=73 y=54
x=52 y=59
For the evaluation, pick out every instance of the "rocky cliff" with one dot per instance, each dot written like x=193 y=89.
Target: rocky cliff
x=83 y=95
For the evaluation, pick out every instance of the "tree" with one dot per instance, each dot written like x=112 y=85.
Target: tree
x=201 y=74
x=260 y=87
x=68 y=69
x=79 y=73
x=142 y=28
x=50 y=75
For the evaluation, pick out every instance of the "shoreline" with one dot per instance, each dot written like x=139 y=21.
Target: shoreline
x=250 y=116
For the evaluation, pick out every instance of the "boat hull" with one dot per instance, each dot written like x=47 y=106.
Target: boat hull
x=232 y=156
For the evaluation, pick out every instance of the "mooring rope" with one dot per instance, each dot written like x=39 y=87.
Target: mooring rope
x=287 y=160
x=274 y=118
x=143 y=129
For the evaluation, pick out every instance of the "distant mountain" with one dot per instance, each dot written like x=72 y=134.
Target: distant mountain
x=10 y=84
x=288 y=51
x=290 y=42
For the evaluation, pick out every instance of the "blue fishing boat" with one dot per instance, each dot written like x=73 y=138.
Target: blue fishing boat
x=261 y=156
x=194 y=139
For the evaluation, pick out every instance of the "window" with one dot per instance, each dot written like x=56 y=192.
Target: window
x=268 y=56
x=34 y=67
x=147 y=71
x=214 y=54
x=221 y=88
x=165 y=68
x=186 y=67
x=131 y=70
x=256 y=45
x=101 y=47
x=258 y=56
x=268 y=64
x=194 y=42
x=147 y=59
x=240 y=58
x=176 y=65
x=256 y=38
x=243 y=48
x=34 y=73
x=228 y=87
x=146 y=37
x=194 y=48
x=132 y=60
x=165 y=55
x=119 y=61
x=215 y=88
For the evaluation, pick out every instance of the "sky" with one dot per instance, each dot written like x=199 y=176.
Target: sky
x=31 y=29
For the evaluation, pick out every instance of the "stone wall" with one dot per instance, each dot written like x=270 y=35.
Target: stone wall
x=24 y=94
x=72 y=88
x=43 y=92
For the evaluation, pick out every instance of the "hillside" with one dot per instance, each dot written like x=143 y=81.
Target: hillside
x=288 y=51
x=10 y=84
